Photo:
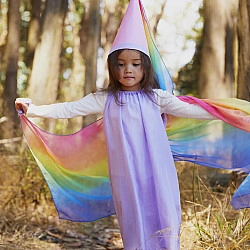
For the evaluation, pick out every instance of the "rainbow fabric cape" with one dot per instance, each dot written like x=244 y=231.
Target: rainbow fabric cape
x=75 y=166
x=76 y=170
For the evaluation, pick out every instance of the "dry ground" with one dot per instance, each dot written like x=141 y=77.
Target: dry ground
x=28 y=219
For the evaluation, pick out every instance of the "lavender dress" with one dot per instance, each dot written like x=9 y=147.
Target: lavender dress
x=142 y=173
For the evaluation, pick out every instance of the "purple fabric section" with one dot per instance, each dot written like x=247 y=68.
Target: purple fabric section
x=142 y=173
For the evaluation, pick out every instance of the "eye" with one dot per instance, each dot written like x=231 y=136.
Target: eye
x=136 y=64
x=120 y=64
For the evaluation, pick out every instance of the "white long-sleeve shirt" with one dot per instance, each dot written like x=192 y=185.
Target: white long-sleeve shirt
x=94 y=103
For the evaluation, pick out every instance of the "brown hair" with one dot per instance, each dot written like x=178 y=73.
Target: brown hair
x=148 y=83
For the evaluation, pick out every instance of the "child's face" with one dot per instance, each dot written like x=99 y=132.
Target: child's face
x=130 y=70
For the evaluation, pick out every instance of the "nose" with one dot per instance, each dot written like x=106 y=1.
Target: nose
x=127 y=69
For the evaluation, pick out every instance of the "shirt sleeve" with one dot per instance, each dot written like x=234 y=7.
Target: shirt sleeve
x=172 y=105
x=93 y=103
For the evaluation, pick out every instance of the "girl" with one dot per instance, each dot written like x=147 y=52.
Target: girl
x=141 y=167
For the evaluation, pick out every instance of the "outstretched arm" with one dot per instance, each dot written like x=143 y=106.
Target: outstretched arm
x=172 y=105
x=90 y=104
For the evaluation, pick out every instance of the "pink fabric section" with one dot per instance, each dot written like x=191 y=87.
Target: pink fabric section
x=233 y=114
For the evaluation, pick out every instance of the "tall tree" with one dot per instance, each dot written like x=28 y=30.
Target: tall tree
x=34 y=27
x=92 y=44
x=216 y=75
x=10 y=88
x=217 y=72
x=44 y=79
x=72 y=88
x=3 y=38
x=244 y=50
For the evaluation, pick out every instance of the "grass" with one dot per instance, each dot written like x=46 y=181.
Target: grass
x=215 y=223
x=27 y=213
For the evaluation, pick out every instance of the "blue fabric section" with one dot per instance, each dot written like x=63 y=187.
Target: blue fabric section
x=241 y=198
x=217 y=145
x=220 y=146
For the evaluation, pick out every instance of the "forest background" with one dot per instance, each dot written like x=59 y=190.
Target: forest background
x=56 y=50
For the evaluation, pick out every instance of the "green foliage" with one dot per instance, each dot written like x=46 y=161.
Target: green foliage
x=80 y=6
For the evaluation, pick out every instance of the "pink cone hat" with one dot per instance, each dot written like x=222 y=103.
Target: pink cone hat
x=131 y=34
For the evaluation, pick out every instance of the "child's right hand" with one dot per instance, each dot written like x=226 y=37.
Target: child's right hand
x=22 y=105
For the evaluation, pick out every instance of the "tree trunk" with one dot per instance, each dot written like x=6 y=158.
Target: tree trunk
x=91 y=50
x=243 y=66
x=244 y=50
x=34 y=28
x=44 y=79
x=12 y=52
x=73 y=87
x=216 y=76
x=43 y=83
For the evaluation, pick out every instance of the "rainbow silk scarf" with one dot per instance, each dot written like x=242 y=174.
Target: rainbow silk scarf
x=76 y=170
x=75 y=166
